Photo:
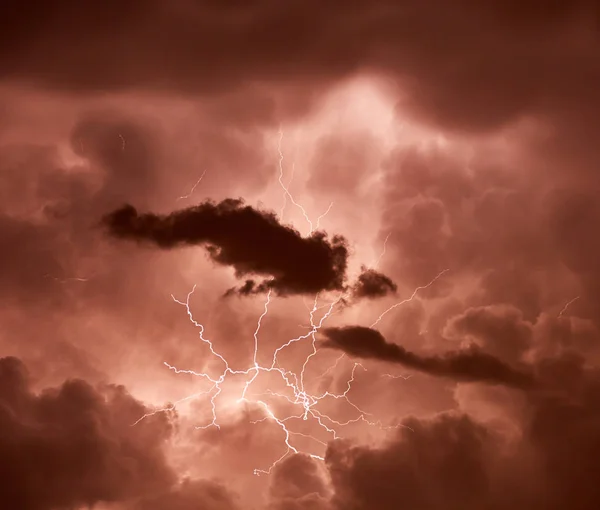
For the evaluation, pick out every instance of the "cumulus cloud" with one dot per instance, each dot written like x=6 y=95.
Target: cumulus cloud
x=451 y=461
x=74 y=445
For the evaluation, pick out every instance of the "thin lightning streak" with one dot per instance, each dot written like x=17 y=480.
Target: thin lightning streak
x=185 y=197
x=323 y=216
x=378 y=261
x=390 y=376
x=70 y=279
x=295 y=383
x=342 y=356
x=296 y=392
x=122 y=142
x=567 y=306
x=172 y=407
x=408 y=299
x=332 y=367
x=286 y=191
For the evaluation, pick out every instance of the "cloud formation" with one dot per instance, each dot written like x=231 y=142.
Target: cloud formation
x=500 y=49
x=465 y=365
x=481 y=157
x=452 y=461
x=249 y=240
x=74 y=445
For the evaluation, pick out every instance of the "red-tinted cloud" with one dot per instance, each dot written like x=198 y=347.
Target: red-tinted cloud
x=451 y=461
x=74 y=445
x=489 y=170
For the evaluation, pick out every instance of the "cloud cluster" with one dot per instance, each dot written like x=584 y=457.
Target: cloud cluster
x=499 y=184
x=451 y=461
x=74 y=445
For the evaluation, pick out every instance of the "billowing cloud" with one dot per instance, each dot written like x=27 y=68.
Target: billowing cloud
x=472 y=146
x=251 y=241
x=75 y=445
x=466 y=365
x=451 y=461
x=78 y=445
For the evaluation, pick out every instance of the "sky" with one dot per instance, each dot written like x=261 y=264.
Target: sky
x=300 y=255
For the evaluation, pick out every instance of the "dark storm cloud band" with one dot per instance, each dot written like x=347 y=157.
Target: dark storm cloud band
x=204 y=49
x=468 y=365
x=251 y=241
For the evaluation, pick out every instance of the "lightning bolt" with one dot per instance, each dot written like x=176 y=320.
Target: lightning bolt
x=298 y=396
x=287 y=195
x=185 y=197
x=403 y=377
x=567 y=306
x=296 y=392
x=407 y=300
x=286 y=189
x=378 y=261
x=69 y=279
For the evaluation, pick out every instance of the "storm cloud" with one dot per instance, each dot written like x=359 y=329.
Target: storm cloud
x=465 y=365
x=251 y=241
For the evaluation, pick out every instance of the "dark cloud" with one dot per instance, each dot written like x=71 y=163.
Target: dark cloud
x=373 y=284
x=74 y=445
x=252 y=241
x=508 y=58
x=465 y=365
x=440 y=463
x=452 y=462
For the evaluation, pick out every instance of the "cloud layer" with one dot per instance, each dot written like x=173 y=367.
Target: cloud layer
x=459 y=136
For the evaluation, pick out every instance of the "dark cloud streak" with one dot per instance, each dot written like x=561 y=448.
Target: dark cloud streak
x=251 y=241
x=465 y=365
